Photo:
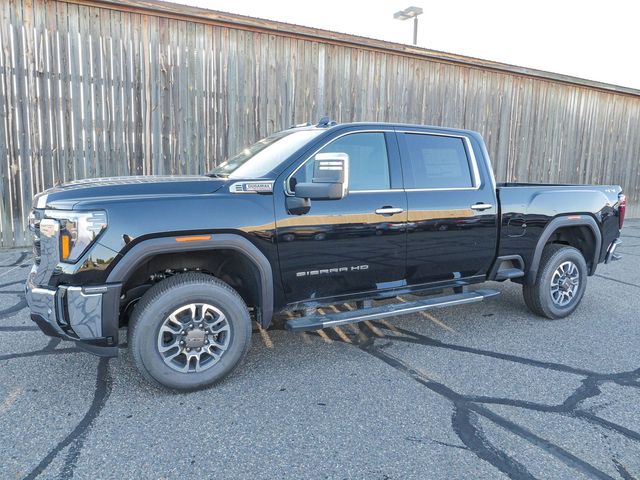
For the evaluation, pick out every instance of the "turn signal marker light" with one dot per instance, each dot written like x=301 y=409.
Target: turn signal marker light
x=65 y=246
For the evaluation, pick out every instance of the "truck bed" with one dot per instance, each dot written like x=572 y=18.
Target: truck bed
x=527 y=208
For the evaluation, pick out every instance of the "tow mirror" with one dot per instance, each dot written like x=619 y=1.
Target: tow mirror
x=330 y=178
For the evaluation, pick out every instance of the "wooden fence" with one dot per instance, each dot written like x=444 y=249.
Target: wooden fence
x=101 y=88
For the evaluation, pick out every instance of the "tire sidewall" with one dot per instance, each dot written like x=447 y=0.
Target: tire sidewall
x=154 y=314
x=546 y=301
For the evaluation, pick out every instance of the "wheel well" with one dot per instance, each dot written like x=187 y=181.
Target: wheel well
x=230 y=266
x=580 y=237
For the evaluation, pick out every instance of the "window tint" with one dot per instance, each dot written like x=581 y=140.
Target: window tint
x=438 y=162
x=368 y=161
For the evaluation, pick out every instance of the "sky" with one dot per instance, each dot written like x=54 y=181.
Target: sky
x=589 y=39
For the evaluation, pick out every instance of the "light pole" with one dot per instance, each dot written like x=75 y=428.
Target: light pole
x=406 y=14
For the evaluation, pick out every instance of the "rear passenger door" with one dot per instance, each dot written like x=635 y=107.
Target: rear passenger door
x=452 y=223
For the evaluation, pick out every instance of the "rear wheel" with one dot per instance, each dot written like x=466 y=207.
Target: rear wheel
x=189 y=331
x=561 y=282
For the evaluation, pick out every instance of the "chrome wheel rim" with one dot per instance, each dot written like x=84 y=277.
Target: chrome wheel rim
x=194 y=337
x=565 y=282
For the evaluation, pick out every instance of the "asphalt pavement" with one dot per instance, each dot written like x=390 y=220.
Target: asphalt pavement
x=479 y=391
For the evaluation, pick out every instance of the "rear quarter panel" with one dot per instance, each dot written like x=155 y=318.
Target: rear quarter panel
x=536 y=205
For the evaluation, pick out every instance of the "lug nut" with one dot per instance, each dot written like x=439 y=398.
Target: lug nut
x=181 y=342
x=188 y=349
x=198 y=349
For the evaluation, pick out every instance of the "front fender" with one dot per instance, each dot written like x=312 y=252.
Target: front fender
x=146 y=249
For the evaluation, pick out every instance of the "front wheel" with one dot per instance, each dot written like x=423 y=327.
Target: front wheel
x=560 y=284
x=189 y=331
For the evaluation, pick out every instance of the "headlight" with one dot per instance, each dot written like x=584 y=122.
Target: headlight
x=78 y=230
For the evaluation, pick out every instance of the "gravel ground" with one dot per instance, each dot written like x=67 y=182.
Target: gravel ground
x=478 y=391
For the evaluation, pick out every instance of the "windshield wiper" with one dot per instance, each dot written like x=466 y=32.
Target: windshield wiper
x=218 y=175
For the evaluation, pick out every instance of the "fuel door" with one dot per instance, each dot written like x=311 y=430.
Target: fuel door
x=517 y=226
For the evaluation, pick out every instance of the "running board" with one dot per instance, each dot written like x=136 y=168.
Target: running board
x=317 y=322
x=508 y=273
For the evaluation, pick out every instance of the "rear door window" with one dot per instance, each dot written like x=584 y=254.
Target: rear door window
x=437 y=161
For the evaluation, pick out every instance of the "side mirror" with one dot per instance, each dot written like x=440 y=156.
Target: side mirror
x=330 y=178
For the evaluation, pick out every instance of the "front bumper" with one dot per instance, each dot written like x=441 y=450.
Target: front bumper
x=85 y=315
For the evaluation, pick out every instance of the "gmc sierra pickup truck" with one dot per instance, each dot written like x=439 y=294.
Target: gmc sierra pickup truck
x=307 y=217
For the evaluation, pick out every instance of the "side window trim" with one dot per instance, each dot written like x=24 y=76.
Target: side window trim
x=390 y=157
x=471 y=159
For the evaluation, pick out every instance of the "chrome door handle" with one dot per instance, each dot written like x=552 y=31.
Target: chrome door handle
x=481 y=206
x=389 y=210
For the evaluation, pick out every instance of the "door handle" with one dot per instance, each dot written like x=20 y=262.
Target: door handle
x=481 y=206
x=389 y=210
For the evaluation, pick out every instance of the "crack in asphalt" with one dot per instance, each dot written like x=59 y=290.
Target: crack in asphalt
x=20 y=259
x=78 y=435
x=19 y=328
x=39 y=353
x=432 y=440
x=15 y=268
x=467 y=409
x=11 y=311
x=20 y=305
x=624 y=473
x=465 y=425
x=619 y=281
x=14 y=282
x=76 y=438
x=628 y=253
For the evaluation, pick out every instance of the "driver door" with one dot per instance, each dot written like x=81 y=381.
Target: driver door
x=352 y=245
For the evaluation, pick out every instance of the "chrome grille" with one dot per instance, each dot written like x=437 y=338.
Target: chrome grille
x=34 y=228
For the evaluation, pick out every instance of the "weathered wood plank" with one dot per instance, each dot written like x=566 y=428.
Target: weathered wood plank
x=75 y=125
x=6 y=127
x=137 y=80
x=100 y=123
x=66 y=146
x=174 y=93
x=20 y=167
x=118 y=149
x=148 y=87
x=153 y=109
x=127 y=93
x=164 y=101
x=106 y=58
x=86 y=88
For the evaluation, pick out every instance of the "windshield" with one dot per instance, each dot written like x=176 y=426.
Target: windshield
x=263 y=156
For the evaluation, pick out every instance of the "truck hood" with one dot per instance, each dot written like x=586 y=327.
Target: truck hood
x=69 y=195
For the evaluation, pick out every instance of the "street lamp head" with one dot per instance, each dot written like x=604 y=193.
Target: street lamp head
x=407 y=13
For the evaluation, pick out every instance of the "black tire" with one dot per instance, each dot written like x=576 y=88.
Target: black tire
x=538 y=296
x=168 y=296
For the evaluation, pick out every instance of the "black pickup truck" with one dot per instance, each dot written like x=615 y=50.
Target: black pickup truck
x=307 y=217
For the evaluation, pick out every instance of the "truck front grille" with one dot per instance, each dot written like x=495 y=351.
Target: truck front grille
x=34 y=228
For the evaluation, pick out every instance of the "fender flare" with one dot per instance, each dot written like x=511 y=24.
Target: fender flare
x=146 y=249
x=552 y=226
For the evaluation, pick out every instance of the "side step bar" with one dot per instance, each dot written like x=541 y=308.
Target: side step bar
x=509 y=273
x=317 y=322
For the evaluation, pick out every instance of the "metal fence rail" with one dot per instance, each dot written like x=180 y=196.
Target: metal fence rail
x=99 y=88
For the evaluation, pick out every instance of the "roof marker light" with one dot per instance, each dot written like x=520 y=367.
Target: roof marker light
x=193 y=238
